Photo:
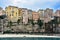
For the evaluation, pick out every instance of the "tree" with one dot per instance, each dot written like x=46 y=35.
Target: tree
x=40 y=23
x=32 y=22
x=10 y=23
x=18 y=21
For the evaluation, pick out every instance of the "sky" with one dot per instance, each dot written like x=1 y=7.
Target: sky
x=31 y=4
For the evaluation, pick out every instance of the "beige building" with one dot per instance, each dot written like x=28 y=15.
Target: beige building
x=25 y=15
x=2 y=12
x=41 y=14
x=29 y=14
x=35 y=16
x=57 y=13
x=13 y=13
x=48 y=15
x=48 y=12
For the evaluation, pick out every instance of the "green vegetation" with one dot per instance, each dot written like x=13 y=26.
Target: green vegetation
x=18 y=21
x=40 y=23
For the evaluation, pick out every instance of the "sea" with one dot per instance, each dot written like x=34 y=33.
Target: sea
x=29 y=38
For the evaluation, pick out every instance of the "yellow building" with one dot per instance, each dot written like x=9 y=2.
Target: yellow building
x=13 y=13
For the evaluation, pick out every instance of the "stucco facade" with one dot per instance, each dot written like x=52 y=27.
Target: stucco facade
x=13 y=13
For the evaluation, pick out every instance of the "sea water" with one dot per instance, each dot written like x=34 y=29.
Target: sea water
x=29 y=38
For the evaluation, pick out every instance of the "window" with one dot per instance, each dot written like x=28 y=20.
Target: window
x=24 y=14
x=9 y=8
x=16 y=13
x=12 y=14
x=12 y=11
